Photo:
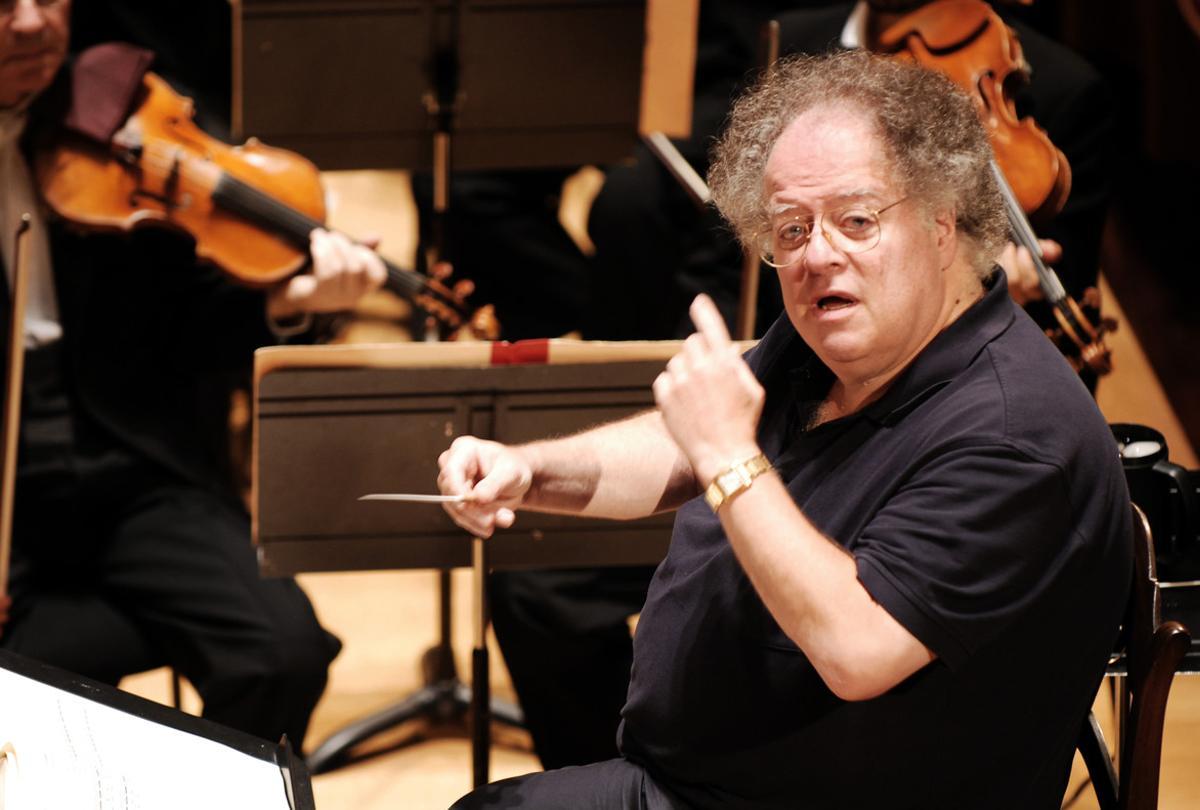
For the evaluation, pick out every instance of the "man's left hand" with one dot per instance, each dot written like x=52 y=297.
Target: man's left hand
x=1023 y=283
x=343 y=272
x=709 y=398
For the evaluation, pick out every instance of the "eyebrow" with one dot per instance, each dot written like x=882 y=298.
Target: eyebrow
x=856 y=195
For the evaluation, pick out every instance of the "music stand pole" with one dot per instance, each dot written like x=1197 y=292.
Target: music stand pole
x=481 y=716
x=441 y=103
x=483 y=48
x=444 y=697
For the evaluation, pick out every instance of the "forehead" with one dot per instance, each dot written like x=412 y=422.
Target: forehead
x=824 y=154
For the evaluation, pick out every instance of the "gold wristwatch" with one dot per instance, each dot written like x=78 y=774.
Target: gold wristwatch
x=736 y=478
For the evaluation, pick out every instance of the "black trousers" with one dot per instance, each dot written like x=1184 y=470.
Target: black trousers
x=617 y=784
x=119 y=566
x=565 y=639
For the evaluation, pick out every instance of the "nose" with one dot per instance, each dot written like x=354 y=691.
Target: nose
x=28 y=17
x=820 y=253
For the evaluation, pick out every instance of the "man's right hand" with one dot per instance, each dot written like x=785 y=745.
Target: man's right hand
x=494 y=479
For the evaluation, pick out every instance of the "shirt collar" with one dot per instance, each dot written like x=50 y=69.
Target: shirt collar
x=948 y=354
x=12 y=124
x=785 y=357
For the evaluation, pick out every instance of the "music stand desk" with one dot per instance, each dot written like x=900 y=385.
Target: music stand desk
x=335 y=422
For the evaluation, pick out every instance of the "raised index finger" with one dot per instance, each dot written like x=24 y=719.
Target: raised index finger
x=709 y=322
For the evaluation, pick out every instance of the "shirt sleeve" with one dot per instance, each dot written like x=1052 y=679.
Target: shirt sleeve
x=966 y=546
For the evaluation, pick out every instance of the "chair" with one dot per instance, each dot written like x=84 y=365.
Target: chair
x=1151 y=650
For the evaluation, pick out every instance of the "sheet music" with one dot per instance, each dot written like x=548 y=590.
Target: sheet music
x=59 y=750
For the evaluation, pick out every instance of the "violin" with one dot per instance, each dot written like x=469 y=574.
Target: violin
x=250 y=208
x=969 y=43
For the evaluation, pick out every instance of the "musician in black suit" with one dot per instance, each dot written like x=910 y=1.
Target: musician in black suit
x=131 y=546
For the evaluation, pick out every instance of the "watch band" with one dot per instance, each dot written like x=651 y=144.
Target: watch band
x=734 y=479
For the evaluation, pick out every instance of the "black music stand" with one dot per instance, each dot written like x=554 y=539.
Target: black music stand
x=359 y=409
x=491 y=84
x=536 y=83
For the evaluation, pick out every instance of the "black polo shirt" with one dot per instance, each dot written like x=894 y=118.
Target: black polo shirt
x=984 y=504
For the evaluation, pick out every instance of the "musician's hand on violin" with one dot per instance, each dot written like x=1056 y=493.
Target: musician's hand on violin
x=493 y=477
x=1023 y=283
x=342 y=272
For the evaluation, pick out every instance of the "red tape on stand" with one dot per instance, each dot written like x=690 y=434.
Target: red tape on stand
x=523 y=352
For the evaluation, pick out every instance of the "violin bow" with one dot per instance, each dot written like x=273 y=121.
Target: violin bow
x=14 y=371
x=1087 y=339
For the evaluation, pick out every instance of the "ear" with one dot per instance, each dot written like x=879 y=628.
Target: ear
x=945 y=228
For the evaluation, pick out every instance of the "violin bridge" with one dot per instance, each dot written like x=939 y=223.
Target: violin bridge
x=169 y=197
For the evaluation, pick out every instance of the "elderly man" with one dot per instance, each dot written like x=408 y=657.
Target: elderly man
x=907 y=568
x=131 y=547
x=1062 y=94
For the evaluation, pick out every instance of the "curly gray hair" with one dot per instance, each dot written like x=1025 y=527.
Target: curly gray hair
x=930 y=131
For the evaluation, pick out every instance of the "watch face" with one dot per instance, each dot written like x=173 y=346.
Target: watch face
x=729 y=480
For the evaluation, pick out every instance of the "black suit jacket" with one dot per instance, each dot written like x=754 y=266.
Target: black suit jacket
x=153 y=345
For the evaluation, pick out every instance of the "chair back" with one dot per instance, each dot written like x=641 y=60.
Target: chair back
x=1152 y=650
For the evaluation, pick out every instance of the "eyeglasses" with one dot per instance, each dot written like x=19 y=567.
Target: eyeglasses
x=852 y=229
x=9 y=7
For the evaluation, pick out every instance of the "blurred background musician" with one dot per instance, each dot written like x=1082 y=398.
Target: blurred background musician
x=131 y=546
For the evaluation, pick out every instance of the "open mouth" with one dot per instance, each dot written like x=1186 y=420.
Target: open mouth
x=829 y=303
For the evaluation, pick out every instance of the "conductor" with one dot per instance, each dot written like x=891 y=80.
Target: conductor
x=903 y=543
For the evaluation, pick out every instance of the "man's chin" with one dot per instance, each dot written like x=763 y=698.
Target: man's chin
x=16 y=90
x=840 y=350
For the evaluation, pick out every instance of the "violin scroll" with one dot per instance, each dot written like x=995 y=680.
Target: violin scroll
x=1080 y=333
x=446 y=303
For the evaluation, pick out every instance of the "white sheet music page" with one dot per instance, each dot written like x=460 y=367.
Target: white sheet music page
x=59 y=750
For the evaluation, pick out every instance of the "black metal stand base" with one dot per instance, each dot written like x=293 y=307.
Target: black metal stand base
x=444 y=700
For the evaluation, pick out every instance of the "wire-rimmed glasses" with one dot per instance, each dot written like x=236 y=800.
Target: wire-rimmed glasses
x=852 y=228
